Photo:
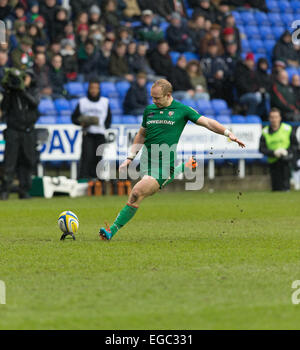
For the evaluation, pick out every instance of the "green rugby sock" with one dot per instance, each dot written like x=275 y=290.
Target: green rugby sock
x=125 y=215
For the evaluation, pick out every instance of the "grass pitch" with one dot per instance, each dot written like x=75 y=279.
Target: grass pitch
x=187 y=260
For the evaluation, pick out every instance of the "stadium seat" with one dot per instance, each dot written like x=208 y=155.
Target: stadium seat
x=257 y=46
x=46 y=119
x=295 y=5
x=269 y=45
x=205 y=107
x=253 y=119
x=278 y=31
x=241 y=29
x=262 y=19
x=273 y=5
x=63 y=106
x=65 y=119
x=275 y=19
x=248 y=18
x=174 y=56
x=252 y=32
x=136 y=24
x=122 y=87
x=245 y=45
x=223 y=119
x=287 y=19
x=75 y=89
x=190 y=103
x=238 y=119
x=266 y=33
x=115 y=106
x=108 y=89
x=85 y=87
x=116 y=119
x=237 y=17
x=129 y=119
x=285 y=7
x=190 y=12
x=164 y=26
x=74 y=103
x=220 y=107
x=291 y=71
x=191 y=56
x=47 y=107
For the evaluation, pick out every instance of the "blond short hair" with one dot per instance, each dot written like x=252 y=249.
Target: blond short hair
x=165 y=85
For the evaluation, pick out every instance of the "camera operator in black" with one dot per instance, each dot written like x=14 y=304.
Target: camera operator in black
x=20 y=112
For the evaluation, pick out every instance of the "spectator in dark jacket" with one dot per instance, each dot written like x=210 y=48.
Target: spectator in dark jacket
x=36 y=34
x=283 y=97
x=178 y=35
x=229 y=22
x=48 y=10
x=136 y=99
x=149 y=31
x=160 y=60
x=141 y=62
x=295 y=83
x=3 y=65
x=197 y=31
x=5 y=9
x=118 y=64
x=215 y=70
x=247 y=85
x=81 y=6
x=61 y=20
x=263 y=77
x=205 y=8
x=110 y=14
x=285 y=51
x=131 y=56
x=231 y=58
x=164 y=8
x=70 y=62
x=265 y=85
x=259 y=4
x=94 y=15
x=41 y=71
x=88 y=66
x=104 y=58
x=57 y=77
x=182 y=86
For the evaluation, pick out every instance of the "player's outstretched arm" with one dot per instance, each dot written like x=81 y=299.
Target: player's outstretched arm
x=218 y=128
x=135 y=148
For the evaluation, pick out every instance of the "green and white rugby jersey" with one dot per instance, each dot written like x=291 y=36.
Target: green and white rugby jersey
x=164 y=126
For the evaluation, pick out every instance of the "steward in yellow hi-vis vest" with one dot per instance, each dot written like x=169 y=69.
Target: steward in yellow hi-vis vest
x=279 y=143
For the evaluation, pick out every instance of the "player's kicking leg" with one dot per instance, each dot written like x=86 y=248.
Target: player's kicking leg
x=146 y=187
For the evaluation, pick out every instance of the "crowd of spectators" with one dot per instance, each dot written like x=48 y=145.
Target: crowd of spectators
x=76 y=40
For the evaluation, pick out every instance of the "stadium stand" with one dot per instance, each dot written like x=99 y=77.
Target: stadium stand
x=259 y=31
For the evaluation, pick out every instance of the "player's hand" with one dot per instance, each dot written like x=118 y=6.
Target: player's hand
x=124 y=165
x=235 y=139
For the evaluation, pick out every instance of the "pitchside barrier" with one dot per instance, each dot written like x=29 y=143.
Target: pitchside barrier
x=64 y=144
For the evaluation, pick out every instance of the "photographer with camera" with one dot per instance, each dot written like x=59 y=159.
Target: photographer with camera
x=20 y=112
